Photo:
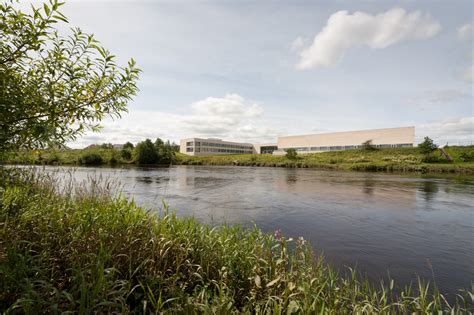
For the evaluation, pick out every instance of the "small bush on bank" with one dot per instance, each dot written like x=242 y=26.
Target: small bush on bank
x=427 y=146
x=91 y=158
x=467 y=156
x=368 y=146
x=291 y=154
x=432 y=158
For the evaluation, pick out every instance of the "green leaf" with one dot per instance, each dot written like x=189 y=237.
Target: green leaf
x=46 y=9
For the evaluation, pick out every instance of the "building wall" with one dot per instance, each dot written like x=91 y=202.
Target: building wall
x=202 y=147
x=265 y=146
x=389 y=137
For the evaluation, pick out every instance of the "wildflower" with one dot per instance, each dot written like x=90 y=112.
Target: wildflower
x=277 y=234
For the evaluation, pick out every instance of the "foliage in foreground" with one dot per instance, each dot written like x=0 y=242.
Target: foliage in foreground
x=55 y=86
x=82 y=250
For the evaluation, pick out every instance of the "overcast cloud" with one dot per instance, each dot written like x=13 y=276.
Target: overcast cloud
x=250 y=71
x=344 y=30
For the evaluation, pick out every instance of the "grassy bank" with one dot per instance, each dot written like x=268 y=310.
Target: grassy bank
x=85 y=251
x=381 y=160
x=384 y=160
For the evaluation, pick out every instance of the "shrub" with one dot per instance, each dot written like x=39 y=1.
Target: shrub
x=128 y=146
x=91 y=159
x=427 y=146
x=430 y=158
x=145 y=153
x=467 y=156
x=291 y=154
x=368 y=146
x=126 y=154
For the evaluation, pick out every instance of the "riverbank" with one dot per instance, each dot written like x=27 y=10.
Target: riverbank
x=401 y=160
x=102 y=254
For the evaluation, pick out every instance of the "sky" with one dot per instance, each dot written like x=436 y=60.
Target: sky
x=253 y=70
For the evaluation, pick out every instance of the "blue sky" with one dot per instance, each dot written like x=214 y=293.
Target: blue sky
x=253 y=70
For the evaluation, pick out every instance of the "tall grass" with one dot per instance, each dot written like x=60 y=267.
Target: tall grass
x=85 y=251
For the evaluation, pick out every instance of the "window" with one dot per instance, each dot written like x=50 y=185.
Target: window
x=189 y=149
x=189 y=144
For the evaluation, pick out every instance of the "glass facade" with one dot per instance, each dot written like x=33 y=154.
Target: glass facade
x=349 y=147
x=268 y=149
x=218 y=147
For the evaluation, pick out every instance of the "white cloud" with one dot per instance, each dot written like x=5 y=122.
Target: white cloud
x=230 y=117
x=344 y=30
x=229 y=105
x=465 y=32
x=452 y=131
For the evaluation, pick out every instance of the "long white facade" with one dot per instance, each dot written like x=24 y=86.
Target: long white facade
x=312 y=143
x=381 y=138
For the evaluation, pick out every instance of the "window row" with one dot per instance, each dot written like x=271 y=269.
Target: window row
x=351 y=147
x=220 y=145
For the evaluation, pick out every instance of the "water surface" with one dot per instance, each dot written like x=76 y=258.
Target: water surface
x=406 y=225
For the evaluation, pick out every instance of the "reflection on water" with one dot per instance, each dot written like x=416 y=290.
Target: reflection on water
x=429 y=188
x=405 y=225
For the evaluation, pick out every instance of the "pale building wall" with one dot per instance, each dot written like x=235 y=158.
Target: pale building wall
x=388 y=136
x=212 y=146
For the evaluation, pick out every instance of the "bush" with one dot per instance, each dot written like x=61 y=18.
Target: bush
x=91 y=159
x=368 y=146
x=467 y=156
x=145 y=153
x=126 y=154
x=430 y=158
x=291 y=154
x=427 y=146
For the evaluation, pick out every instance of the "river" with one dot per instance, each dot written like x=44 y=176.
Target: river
x=406 y=226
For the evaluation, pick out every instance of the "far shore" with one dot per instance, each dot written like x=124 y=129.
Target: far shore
x=399 y=160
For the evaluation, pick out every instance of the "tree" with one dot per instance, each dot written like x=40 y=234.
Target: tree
x=368 y=145
x=52 y=87
x=145 y=153
x=291 y=154
x=427 y=146
x=106 y=146
x=126 y=154
x=164 y=151
x=128 y=146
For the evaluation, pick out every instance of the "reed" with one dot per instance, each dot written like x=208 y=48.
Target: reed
x=83 y=249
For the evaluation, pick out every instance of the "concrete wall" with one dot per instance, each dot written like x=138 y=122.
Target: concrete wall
x=403 y=135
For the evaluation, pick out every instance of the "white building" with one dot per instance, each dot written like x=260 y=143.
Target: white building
x=211 y=146
x=313 y=143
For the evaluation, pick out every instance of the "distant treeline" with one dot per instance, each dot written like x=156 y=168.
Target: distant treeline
x=158 y=152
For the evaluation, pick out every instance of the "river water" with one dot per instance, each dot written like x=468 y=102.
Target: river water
x=406 y=226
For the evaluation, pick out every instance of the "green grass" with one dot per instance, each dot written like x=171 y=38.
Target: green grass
x=385 y=160
x=64 y=156
x=83 y=251
x=382 y=160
